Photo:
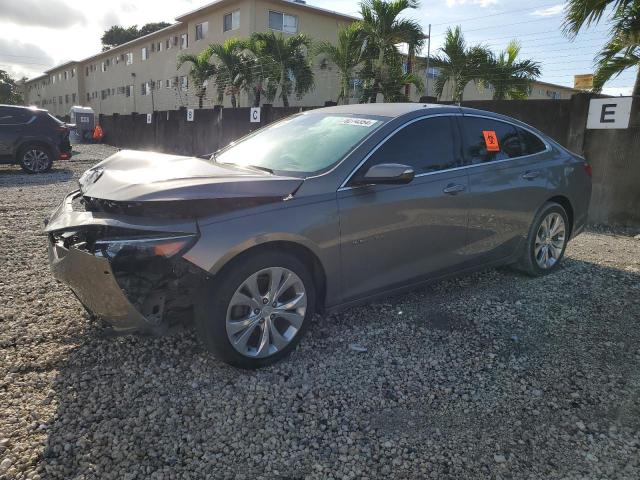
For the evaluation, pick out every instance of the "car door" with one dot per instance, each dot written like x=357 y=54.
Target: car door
x=508 y=182
x=394 y=234
x=9 y=130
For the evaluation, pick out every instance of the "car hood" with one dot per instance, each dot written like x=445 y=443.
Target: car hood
x=137 y=176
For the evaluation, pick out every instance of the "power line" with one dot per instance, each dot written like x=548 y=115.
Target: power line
x=506 y=12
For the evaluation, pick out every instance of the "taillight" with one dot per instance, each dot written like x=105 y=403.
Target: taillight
x=588 y=169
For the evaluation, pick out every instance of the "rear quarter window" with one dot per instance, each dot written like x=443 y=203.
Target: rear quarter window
x=486 y=140
x=531 y=143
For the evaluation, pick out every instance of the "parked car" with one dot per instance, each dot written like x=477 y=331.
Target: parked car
x=32 y=138
x=323 y=210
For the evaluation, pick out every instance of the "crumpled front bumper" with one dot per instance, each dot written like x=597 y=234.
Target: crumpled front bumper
x=92 y=281
x=90 y=276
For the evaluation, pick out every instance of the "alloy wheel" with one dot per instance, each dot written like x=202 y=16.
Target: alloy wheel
x=266 y=312
x=550 y=240
x=35 y=160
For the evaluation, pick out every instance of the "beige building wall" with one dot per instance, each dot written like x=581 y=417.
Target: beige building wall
x=57 y=90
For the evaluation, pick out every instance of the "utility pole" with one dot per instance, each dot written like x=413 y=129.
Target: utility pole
x=428 y=57
x=152 y=85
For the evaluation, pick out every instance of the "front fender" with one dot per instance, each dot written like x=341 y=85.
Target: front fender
x=312 y=226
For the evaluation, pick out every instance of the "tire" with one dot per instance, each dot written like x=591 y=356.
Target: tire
x=222 y=310
x=35 y=158
x=533 y=261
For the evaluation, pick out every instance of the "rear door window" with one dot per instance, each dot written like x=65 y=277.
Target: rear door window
x=426 y=145
x=486 y=140
x=14 y=116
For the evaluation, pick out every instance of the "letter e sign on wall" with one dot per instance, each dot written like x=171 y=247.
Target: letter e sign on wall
x=491 y=141
x=609 y=112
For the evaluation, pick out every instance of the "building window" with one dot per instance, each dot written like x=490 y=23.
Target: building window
x=184 y=82
x=73 y=72
x=231 y=21
x=282 y=22
x=167 y=44
x=167 y=83
x=66 y=75
x=53 y=79
x=129 y=57
x=60 y=99
x=184 y=41
x=145 y=53
x=88 y=97
x=159 y=47
x=73 y=98
x=66 y=98
x=103 y=67
x=201 y=30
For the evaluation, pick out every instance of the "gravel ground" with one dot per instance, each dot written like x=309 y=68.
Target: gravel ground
x=493 y=375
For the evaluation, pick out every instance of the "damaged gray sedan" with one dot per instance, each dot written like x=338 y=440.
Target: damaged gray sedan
x=317 y=212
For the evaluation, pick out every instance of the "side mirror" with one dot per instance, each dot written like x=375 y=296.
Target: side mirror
x=387 y=174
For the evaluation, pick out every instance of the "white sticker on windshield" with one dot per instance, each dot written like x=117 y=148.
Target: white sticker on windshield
x=361 y=122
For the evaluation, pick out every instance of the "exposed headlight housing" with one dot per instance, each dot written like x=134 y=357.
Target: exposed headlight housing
x=164 y=247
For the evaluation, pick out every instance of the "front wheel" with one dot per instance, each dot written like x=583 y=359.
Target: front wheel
x=546 y=242
x=256 y=311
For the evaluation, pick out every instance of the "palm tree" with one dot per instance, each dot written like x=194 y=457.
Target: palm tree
x=346 y=55
x=382 y=31
x=510 y=77
x=201 y=71
x=290 y=62
x=262 y=67
x=393 y=81
x=459 y=64
x=622 y=51
x=233 y=74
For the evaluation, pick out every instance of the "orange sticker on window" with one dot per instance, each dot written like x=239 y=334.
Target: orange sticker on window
x=491 y=141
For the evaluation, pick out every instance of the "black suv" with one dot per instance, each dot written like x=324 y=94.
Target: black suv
x=32 y=137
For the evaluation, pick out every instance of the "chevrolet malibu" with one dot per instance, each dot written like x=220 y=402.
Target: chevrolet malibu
x=323 y=210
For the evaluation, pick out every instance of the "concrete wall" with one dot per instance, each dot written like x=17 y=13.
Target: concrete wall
x=613 y=154
x=170 y=132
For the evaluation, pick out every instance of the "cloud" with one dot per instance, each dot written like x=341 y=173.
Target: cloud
x=56 y=14
x=110 y=19
x=548 y=12
x=481 y=3
x=23 y=59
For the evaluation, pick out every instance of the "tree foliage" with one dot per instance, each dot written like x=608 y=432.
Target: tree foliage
x=346 y=54
x=459 y=64
x=509 y=76
x=9 y=93
x=117 y=35
x=290 y=58
x=201 y=71
x=622 y=50
x=382 y=30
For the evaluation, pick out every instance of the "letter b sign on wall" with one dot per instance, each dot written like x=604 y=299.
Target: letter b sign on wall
x=609 y=112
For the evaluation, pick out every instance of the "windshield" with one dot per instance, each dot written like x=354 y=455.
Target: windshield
x=301 y=144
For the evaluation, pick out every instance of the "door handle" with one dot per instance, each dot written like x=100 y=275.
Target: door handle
x=454 y=189
x=531 y=174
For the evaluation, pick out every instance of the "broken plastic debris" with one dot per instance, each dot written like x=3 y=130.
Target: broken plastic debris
x=357 y=348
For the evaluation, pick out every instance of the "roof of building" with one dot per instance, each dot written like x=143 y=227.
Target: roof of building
x=299 y=3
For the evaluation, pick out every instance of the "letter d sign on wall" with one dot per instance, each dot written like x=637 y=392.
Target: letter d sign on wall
x=609 y=112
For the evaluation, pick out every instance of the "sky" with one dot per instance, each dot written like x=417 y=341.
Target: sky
x=39 y=34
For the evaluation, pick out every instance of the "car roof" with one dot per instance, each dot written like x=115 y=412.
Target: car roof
x=22 y=107
x=391 y=110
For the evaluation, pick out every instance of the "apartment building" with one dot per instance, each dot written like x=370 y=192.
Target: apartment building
x=141 y=75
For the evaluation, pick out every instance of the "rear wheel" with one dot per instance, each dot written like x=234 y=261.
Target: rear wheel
x=35 y=158
x=257 y=310
x=546 y=242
